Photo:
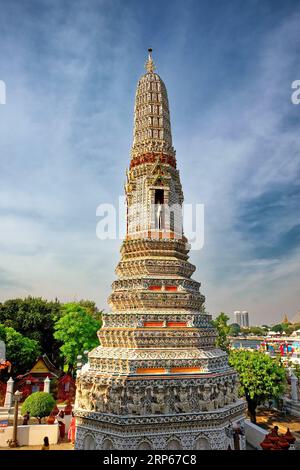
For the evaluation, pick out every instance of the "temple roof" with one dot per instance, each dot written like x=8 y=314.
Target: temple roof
x=43 y=365
x=285 y=319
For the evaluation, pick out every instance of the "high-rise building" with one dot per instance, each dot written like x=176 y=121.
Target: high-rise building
x=157 y=381
x=241 y=318
x=237 y=317
x=245 y=319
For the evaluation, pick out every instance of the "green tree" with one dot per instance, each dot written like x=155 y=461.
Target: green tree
x=77 y=330
x=261 y=377
x=20 y=351
x=34 y=318
x=257 y=330
x=2 y=333
x=289 y=330
x=39 y=405
x=235 y=329
x=91 y=308
x=220 y=323
x=277 y=328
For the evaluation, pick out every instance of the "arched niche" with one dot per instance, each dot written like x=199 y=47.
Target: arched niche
x=107 y=444
x=174 y=444
x=89 y=442
x=201 y=443
x=144 y=445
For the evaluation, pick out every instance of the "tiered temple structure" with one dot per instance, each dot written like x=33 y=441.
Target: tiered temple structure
x=157 y=381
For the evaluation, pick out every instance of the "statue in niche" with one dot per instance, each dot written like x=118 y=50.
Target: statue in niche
x=115 y=398
x=206 y=403
x=183 y=404
x=236 y=387
x=98 y=397
x=227 y=393
x=231 y=394
x=159 y=216
x=136 y=407
x=159 y=405
x=219 y=400
x=83 y=395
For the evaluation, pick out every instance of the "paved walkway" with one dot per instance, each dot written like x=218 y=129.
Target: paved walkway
x=59 y=446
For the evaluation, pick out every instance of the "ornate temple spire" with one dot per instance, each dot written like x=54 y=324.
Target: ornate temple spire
x=152 y=129
x=157 y=380
x=150 y=67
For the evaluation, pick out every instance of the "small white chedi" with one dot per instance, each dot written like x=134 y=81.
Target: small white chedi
x=157 y=381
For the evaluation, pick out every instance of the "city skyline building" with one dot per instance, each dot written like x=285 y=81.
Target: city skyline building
x=241 y=318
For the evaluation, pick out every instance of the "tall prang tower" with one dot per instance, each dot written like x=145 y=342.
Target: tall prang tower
x=157 y=381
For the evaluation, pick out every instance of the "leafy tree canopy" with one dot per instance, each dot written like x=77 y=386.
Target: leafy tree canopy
x=77 y=330
x=221 y=324
x=39 y=405
x=277 y=328
x=20 y=351
x=257 y=330
x=235 y=329
x=261 y=377
x=91 y=308
x=33 y=318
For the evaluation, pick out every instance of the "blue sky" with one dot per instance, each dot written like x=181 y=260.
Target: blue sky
x=71 y=70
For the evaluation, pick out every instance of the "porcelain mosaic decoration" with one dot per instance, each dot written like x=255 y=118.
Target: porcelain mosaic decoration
x=157 y=381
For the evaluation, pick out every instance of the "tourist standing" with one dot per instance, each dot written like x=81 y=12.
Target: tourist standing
x=60 y=418
x=46 y=445
x=72 y=429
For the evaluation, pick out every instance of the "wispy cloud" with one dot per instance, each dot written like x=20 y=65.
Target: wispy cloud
x=65 y=135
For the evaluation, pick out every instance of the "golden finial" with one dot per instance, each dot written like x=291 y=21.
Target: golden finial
x=150 y=67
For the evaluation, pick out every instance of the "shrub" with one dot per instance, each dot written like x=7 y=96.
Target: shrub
x=39 y=405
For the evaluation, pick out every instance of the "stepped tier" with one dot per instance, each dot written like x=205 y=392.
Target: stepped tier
x=156 y=284
x=152 y=267
x=157 y=360
x=137 y=318
x=129 y=299
x=157 y=337
x=164 y=248
x=157 y=395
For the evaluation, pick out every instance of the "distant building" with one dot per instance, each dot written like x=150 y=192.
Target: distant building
x=237 y=317
x=245 y=319
x=241 y=318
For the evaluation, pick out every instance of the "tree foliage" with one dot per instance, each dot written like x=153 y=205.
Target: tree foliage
x=33 y=318
x=234 y=329
x=20 y=351
x=277 y=328
x=39 y=405
x=221 y=324
x=257 y=330
x=77 y=330
x=91 y=308
x=261 y=377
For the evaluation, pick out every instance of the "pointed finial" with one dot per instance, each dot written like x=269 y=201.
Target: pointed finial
x=150 y=67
